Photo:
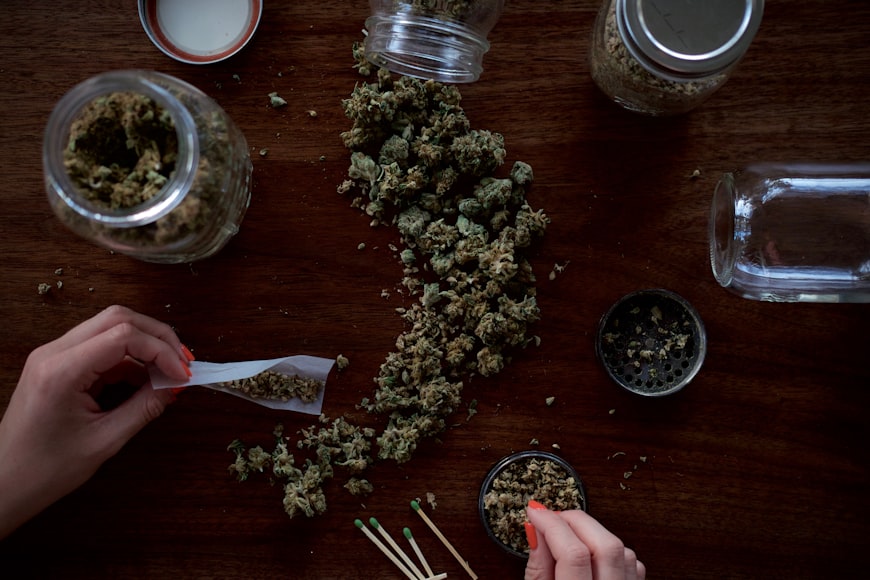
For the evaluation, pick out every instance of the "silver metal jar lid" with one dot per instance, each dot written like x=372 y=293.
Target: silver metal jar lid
x=683 y=39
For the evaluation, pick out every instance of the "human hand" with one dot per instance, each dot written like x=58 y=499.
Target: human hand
x=54 y=434
x=573 y=545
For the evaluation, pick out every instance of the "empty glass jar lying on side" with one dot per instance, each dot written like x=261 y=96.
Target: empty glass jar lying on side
x=146 y=165
x=666 y=57
x=793 y=232
x=444 y=40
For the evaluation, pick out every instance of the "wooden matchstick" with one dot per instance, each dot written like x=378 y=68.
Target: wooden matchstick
x=444 y=541
x=385 y=550
x=405 y=557
x=417 y=551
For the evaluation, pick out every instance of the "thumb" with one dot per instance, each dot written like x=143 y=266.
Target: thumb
x=123 y=422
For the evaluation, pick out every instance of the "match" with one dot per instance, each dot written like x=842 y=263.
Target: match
x=417 y=551
x=385 y=550
x=407 y=559
x=444 y=541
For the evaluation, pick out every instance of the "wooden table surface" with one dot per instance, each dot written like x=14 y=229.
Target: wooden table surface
x=758 y=469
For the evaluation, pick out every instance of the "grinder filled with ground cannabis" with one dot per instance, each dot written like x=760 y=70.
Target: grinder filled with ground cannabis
x=146 y=165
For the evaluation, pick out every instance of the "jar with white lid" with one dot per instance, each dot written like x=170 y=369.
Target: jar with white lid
x=666 y=57
x=146 y=165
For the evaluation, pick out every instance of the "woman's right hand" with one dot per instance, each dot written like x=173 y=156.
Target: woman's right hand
x=572 y=545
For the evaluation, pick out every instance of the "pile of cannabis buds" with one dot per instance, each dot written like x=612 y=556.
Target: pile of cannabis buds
x=416 y=163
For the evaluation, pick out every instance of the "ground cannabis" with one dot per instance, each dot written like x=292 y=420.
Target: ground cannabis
x=278 y=386
x=527 y=478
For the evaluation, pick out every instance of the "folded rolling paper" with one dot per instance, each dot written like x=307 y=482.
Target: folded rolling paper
x=218 y=376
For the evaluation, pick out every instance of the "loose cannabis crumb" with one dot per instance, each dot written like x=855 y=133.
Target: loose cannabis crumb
x=276 y=101
x=43 y=288
x=342 y=362
x=472 y=410
x=430 y=499
x=532 y=478
x=274 y=385
x=357 y=486
x=550 y=401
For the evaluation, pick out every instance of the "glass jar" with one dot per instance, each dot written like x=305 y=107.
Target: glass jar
x=783 y=232
x=444 y=40
x=146 y=165
x=666 y=57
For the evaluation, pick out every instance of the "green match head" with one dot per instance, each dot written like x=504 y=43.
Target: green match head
x=358 y=523
x=407 y=533
x=374 y=523
x=415 y=505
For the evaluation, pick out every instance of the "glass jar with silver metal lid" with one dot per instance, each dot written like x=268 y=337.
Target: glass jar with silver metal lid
x=666 y=57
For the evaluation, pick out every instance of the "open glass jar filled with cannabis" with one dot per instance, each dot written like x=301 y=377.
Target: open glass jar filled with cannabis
x=146 y=165
x=444 y=40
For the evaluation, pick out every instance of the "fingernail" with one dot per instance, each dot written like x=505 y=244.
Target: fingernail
x=188 y=371
x=176 y=390
x=536 y=505
x=187 y=354
x=531 y=536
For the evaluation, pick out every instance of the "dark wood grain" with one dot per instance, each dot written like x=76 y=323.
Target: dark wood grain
x=758 y=469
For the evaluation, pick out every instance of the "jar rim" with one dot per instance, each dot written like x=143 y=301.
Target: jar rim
x=722 y=230
x=69 y=108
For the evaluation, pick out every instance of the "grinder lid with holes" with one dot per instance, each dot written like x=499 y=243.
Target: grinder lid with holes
x=651 y=342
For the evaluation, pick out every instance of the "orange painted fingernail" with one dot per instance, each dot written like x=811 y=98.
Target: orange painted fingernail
x=187 y=354
x=536 y=505
x=188 y=371
x=176 y=390
x=531 y=536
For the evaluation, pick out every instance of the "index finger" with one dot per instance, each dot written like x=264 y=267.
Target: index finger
x=113 y=316
x=84 y=363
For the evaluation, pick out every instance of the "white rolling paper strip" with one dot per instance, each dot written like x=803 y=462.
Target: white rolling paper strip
x=209 y=375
